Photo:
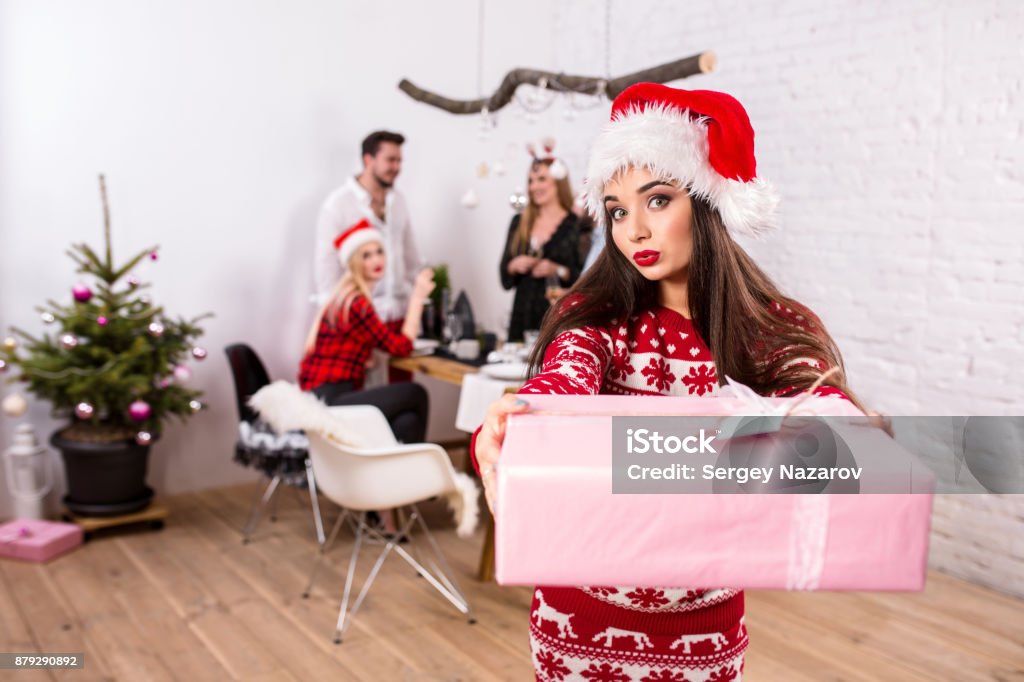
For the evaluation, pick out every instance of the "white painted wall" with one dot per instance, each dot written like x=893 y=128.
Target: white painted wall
x=221 y=127
x=894 y=131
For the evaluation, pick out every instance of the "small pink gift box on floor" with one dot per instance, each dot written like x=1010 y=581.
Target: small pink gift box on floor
x=35 y=540
x=558 y=523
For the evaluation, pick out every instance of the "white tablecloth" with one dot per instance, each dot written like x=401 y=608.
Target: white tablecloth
x=478 y=392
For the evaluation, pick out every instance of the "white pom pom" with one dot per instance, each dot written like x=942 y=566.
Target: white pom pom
x=470 y=199
x=558 y=170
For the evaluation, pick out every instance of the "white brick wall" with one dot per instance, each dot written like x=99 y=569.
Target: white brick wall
x=894 y=131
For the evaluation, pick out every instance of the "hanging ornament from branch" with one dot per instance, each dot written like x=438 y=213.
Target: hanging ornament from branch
x=182 y=373
x=703 y=62
x=518 y=200
x=139 y=411
x=84 y=410
x=81 y=292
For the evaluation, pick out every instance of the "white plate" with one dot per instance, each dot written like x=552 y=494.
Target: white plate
x=511 y=371
x=425 y=345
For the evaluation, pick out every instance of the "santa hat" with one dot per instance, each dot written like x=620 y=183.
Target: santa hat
x=351 y=239
x=700 y=138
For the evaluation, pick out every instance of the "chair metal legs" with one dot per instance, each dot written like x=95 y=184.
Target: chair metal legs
x=439 y=574
x=324 y=546
x=257 y=509
x=318 y=521
x=268 y=497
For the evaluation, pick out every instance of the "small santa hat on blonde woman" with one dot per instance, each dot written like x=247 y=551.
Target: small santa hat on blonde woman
x=355 y=236
x=700 y=138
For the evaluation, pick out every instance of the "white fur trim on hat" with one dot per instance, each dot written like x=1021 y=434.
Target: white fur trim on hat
x=672 y=145
x=354 y=241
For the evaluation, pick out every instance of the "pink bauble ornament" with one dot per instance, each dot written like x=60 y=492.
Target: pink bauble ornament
x=84 y=410
x=163 y=382
x=102 y=321
x=139 y=411
x=182 y=374
x=199 y=353
x=81 y=292
x=133 y=281
x=152 y=255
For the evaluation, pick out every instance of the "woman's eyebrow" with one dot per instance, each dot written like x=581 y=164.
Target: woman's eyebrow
x=653 y=183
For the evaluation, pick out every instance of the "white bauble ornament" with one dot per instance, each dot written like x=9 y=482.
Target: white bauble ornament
x=15 y=405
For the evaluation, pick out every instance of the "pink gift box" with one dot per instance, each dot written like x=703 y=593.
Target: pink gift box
x=558 y=523
x=35 y=540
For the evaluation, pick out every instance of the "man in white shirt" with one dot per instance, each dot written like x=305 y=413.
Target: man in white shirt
x=371 y=195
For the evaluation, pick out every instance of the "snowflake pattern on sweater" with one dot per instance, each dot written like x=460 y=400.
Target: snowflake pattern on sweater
x=654 y=353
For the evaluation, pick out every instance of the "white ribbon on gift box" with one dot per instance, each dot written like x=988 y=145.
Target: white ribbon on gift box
x=808 y=528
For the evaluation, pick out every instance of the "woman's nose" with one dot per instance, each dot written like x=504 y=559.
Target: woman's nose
x=637 y=230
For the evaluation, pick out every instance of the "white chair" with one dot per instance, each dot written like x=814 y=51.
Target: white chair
x=360 y=466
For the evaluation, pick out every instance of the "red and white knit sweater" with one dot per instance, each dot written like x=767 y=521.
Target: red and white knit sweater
x=641 y=634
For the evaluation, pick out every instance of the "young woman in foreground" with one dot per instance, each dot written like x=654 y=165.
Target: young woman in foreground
x=671 y=307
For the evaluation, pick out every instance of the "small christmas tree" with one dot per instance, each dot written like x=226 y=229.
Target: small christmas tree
x=115 y=361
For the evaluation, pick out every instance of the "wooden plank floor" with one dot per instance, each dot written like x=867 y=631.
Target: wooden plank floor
x=191 y=602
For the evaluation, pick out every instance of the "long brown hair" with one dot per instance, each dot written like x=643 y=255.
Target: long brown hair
x=336 y=308
x=756 y=335
x=521 y=240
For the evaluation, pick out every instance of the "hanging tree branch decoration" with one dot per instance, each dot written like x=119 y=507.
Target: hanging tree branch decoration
x=703 y=62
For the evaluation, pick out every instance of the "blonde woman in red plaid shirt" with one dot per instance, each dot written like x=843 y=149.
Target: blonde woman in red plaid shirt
x=347 y=329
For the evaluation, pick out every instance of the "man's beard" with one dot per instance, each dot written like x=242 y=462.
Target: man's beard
x=384 y=184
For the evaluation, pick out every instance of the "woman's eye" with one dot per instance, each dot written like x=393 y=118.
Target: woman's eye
x=617 y=213
x=658 y=201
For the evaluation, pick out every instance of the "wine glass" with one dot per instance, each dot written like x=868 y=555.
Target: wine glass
x=552 y=288
x=453 y=330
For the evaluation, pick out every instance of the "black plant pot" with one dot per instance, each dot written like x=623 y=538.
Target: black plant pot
x=104 y=479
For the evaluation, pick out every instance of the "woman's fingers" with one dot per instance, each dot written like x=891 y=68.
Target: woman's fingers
x=491 y=438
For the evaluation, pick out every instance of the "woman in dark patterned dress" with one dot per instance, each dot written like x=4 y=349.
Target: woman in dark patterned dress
x=542 y=242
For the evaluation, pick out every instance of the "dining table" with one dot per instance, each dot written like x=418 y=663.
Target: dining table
x=446 y=367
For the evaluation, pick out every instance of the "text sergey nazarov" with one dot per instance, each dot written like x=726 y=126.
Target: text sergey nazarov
x=662 y=454
x=642 y=441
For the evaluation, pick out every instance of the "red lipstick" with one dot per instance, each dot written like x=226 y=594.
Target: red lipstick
x=646 y=258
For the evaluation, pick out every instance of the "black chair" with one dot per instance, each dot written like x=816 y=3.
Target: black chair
x=283 y=458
